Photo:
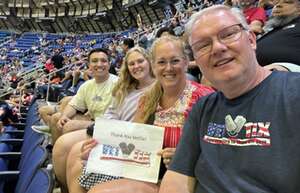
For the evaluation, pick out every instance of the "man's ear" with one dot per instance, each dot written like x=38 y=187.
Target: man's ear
x=252 y=39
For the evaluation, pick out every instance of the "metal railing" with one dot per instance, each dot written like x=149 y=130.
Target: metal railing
x=33 y=73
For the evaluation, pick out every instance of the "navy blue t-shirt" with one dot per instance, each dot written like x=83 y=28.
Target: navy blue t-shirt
x=245 y=145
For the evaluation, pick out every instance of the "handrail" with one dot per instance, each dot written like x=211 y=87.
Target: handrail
x=31 y=69
x=160 y=24
x=53 y=72
x=38 y=78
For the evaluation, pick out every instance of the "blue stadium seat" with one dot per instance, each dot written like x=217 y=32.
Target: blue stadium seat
x=30 y=139
x=5 y=147
x=3 y=167
x=42 y=182
x=23 y=177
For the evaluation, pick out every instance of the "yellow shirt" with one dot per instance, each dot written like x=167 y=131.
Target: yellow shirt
x=93 y=97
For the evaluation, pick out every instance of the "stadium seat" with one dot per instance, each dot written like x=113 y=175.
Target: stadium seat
x=42 y=182
x=23 y=177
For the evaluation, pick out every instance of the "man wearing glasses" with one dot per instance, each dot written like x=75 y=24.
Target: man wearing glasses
x=245 y=137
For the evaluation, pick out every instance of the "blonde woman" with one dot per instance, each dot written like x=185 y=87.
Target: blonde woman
x=166 y=104
x=135 y=78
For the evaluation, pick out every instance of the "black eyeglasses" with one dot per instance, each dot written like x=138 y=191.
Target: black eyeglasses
x=226 y=36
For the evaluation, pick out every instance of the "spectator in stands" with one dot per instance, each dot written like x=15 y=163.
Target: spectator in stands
x=13 y=100
x=76 y=75
x=17 y=65
x=49 y=66
x=167 y=105
x=164 y=31
x=175 y=21
x=145 y=40
x=116 y=56
x=255 y=16
x=281 y=42
x=127 y=44
x=267 y=5
x=91 y=100
x=175 y=25
x=7 y=115
x=27 y=95
x=58 y=61
x=135 y=79
x=14 y=79
x=259 y=138
x=55 y=78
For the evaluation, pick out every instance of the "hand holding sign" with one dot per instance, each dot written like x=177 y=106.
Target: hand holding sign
x=86 y=148
x=126 y=149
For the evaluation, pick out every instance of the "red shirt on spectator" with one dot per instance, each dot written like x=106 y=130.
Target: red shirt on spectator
x=255 y=13
x=49 y=65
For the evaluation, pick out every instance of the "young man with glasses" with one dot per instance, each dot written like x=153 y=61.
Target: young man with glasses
x=243 y=138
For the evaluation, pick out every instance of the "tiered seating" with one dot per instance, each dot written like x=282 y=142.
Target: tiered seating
x=26 y=172
x=31 y=50
x=21 y=171
x=4 y=36
x=27 y=41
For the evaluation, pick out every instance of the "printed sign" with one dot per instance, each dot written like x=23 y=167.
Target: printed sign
x=126 y=149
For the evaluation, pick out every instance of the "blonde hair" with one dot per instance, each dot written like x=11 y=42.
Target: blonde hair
x=152 y=97
x=126 y=82
x=168 y=38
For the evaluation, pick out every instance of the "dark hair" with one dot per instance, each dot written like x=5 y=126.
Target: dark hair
x=58 y=61
x=105 y=51
x=128 y=42
x=90 y=130
x=164 y=29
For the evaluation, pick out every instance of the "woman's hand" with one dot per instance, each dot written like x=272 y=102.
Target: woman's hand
x=86 y=148
x=167 y=155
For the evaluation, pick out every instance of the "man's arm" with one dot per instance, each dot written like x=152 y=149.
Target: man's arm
x=67 y=114
x=177 y=183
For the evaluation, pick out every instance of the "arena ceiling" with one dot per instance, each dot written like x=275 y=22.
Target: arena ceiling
x=92 y=16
